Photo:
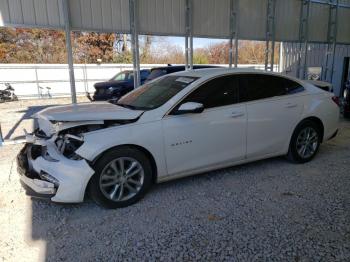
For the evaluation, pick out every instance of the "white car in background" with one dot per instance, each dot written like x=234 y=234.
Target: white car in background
x=178 y=125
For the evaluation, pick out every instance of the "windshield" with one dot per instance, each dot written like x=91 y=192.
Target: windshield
x=122 y=76
x=156 y=93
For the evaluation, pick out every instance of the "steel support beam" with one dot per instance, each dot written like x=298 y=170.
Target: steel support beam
x=334 y=41
x=281 y=59
x=186 y=53
x=189 y=34
x=303 y=39
x=233 y=33
x=69 y=50
x=327 y=74
x=1 y=137
x=270 y=35
x=134 y=41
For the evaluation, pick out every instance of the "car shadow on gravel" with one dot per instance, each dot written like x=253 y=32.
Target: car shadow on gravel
x=28 y=112
x=86 y=232
x=74 y=228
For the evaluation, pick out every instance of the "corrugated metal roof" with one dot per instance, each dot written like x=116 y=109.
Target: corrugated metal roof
x=252 y=19
x=318 y=22
x=161 y=17
x=211 y=18
x=41 y=13
x=287 y=16
x=343 y=32
x=102 y=15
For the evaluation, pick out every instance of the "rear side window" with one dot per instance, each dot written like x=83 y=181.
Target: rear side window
x=156 y=73
x=217 y=92
x=144 y=74
x=175 y=69
x=259 y=86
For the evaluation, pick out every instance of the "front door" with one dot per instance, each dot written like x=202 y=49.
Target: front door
x=214 y=137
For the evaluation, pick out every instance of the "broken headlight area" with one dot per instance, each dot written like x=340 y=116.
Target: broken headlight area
x=70 y=139
x=67 y=144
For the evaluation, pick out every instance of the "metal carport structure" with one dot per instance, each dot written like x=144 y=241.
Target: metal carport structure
x=301 y=21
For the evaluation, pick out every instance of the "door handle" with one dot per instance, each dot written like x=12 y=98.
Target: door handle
x=291 y=105
x=237 y=114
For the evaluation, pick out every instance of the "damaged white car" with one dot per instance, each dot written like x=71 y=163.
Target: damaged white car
x=181 y=124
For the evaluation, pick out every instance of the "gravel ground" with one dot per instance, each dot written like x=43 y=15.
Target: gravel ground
x=269 y=210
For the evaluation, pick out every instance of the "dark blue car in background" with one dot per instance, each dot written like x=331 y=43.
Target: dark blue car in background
x=123 y=82
x=117 y=86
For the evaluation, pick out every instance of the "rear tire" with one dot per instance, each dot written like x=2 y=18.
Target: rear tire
x=122 y=177
x=305 y=142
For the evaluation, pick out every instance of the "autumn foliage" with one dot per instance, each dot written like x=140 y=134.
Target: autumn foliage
x=48 y=46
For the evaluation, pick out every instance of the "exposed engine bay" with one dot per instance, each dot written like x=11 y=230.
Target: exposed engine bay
x=69 y=140
x=69 y=136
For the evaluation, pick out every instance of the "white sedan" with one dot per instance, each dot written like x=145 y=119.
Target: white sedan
x=178 y=125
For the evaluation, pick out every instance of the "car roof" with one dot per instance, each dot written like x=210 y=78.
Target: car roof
x=212 y=72
x=181 y=67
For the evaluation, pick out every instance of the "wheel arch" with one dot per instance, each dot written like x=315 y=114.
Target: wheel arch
x=140 y=148
x=317 y=121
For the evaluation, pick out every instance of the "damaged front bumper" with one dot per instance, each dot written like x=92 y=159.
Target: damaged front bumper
x=46 y=173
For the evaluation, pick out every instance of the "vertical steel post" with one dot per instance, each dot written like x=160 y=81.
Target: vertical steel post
x=190 y=27
x=66 y=15
x=272 y=52
x=186 y=52
x=236 y=47
x=303 y=38
x=233 y=33
x=191 y=51
x=281 y=59
x=306 y=41
x=1 y=137
x=230 y=53
x=37 y=81
x=134 y=41
x=85 y=75
x=334 y=44
x=267 y=36
x=270 y=35
x=189 y=34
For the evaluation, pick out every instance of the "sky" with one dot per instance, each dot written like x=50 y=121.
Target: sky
x=197 y=42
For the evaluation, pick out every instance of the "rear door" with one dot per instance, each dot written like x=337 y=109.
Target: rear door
x=274 y=105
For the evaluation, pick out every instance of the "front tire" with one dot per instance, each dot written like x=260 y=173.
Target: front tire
x=122 y=177
x=305 y=142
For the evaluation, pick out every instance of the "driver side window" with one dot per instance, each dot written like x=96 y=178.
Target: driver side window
x=217 y=92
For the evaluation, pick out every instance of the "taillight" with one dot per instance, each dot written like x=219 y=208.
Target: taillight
x=335 y=100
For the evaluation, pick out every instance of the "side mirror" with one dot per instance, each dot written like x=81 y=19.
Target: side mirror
x=189 y=107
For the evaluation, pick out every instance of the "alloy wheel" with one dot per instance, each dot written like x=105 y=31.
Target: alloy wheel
x=121 y=179
x=307 y=142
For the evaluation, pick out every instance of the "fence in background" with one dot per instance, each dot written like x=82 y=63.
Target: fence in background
x=28 y=78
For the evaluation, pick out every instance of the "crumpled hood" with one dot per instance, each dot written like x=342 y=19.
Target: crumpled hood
x=88 y=112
